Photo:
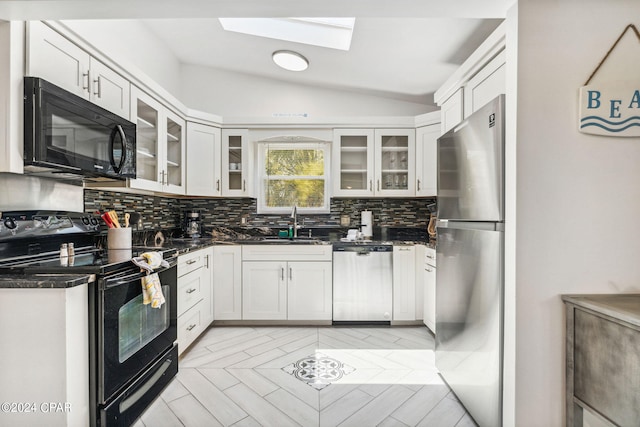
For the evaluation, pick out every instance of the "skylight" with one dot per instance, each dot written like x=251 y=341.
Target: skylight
x=334 y=33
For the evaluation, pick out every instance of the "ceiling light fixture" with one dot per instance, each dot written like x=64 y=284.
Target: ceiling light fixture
x=290 y=60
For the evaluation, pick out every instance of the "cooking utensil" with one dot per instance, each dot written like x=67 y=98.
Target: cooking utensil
x=126 y=219
x=114 y=218
x=107 y=219
x=136 y=218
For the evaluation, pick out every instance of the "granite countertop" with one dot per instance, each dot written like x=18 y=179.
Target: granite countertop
x=186 y=245
x=625 y=307
x=247 y=236
x=44 y=281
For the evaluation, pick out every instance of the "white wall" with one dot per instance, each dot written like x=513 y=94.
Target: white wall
x=239 y=95
x=131 y=42
x=578 y=196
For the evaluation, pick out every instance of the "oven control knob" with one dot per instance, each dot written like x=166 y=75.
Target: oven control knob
x=85 y=220
x=94 y=221
x=10 y=223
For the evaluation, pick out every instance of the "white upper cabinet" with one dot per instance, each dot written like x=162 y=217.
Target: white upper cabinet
x=353 y=154
x=55 y=58
x=427 y=159
x=478 y=80
x=160 y=145
x=488 y=83
x=452 y=111
x=395 y=162
x=236 y=173
x=203 y=160
x=368 y=162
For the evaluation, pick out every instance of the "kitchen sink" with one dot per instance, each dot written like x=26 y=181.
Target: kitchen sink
x=286 y=241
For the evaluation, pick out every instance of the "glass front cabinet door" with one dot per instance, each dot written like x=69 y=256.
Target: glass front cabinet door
x=235 y=162
x=395 y=162
x=353 y=162
x=159 y=144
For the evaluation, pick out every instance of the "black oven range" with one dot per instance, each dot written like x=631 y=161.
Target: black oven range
x=132 y=350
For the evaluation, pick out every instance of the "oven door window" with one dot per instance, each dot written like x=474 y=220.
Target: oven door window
x=139 y=324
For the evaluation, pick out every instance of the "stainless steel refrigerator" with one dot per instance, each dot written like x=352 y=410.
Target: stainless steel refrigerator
x=470 y=259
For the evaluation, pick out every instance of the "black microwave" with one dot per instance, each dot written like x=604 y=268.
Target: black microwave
x=66 y=134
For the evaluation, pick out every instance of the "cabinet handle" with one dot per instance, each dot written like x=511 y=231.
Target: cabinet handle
x=218 y=185
x=85 y=87
x=97 y=84
x=370 y=185
x=404 y=249
x=431 y=256
x=207 y=258
x=282 y=273
x=190 y=327
x=418 y=185
x=244 y=185
x=192 y=261
x=378 y=185
x=290 y=273
x=192 y=290
x=429 y=270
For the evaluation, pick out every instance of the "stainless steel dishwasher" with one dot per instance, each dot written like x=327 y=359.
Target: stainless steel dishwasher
x=362 y=282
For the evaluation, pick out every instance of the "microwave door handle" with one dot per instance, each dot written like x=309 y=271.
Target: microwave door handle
x=118 y=129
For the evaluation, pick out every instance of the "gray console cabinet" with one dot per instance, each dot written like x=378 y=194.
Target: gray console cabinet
x=603 y=358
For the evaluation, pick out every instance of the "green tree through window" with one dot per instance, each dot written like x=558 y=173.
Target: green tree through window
x=294 y=174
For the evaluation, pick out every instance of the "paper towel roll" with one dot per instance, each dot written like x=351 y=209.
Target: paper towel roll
x=366 y=219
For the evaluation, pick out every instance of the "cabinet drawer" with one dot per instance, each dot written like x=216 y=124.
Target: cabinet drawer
x=190 y=326
x=190 y=290
x=190 y=262
x=286 y=252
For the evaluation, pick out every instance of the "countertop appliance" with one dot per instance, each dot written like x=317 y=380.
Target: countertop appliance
x=132 y=347
x=470 y=259
x=192 y=226
x=362 y=282
x=67 y=136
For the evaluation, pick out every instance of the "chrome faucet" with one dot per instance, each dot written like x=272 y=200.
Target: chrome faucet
x=294 y=215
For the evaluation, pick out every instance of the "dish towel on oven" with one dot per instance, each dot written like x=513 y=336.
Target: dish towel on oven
x=151 y=286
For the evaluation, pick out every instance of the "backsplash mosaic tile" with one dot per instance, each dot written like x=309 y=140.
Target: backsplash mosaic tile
x=163 y=212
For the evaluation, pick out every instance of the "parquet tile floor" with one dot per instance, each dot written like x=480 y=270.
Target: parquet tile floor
x=248 y=376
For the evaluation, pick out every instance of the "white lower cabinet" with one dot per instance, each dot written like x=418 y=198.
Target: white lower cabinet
x=286 y=282
x=45 y=356
x=429 y=265
x=404 y=283
x=264 y=290
x=227 y=282
x=195 y=310
x=309 y=291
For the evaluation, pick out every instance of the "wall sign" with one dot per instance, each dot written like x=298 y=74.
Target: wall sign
x=611 y=106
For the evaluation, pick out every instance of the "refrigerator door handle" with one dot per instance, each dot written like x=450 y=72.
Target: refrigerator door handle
x=471 y=225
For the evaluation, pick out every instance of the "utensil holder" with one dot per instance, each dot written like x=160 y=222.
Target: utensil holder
x=119 y=238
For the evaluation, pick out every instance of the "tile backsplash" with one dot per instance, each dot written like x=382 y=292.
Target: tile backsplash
x=164 y=212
